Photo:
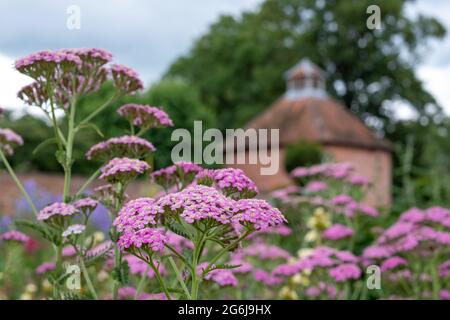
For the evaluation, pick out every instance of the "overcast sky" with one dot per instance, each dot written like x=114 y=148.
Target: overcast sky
x=149 y=34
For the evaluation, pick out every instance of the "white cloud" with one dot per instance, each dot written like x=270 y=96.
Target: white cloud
x=11 y=82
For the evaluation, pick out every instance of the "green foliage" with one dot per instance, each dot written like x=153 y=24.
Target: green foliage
x=302 y=154
x=238 y=65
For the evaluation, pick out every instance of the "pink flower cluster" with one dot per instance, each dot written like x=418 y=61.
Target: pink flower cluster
x=42 y=63
x=126 y=79
x=57 y=209
x=139 y=267
x=86 y=204
x=316 y=186
x=123 y=170
x=180 y=172
x=229 y=180
x=327 y=170
x=15 y=236
x=8 y=140
x=415 y=231
x=151 y=239
x=259 y=213
x=125 y=146
x=145 y=116
x=44 y=268
x=137 y=214
x=341 y=265
x=337 y=232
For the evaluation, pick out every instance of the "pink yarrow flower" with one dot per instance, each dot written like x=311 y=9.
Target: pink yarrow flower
x=150 y=239
x=337 y=232
x=44 y=268
x=126 y=79
x=15 y=236
x=137 y=214
x=125 y=146
x=345 y=272
x=145 y=116
x=257 y=212
x=123 y=170
x=57 y=209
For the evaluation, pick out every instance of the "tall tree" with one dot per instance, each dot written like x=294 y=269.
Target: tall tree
x=238 y=65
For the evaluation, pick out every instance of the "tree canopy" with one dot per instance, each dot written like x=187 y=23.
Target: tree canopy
x=239 y=63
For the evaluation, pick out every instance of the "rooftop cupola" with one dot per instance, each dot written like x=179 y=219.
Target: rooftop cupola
x=305 y=80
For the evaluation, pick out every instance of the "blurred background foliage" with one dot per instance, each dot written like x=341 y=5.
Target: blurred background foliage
x=235 y=71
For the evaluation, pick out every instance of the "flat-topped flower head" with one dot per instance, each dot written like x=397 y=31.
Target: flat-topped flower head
x=126 y=79
x=257 y=213
x=123 y=170
x=45 y=267
x=57 y=209
x=233 y=182
x=91 y=56
x=145 y=116
x=14 y=236
x=9 y=140
x=73 y=230
x=86 y=204
x=197 y=203
x=344 y=272
x=181 y=172
x=137 y=214
x=47 y=64
x=149 y=239
x=337 y=232
x=125 y=146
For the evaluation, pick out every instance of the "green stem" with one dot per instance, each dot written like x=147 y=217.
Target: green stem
x=69 y=151
x=88 y=182
x=98 y=110
x=88 y=279
x=141 y=284
x=178 y=255
x=117 y=262
x=180 y=278
x=225 y=250
x=18 y=183
x=160 y=279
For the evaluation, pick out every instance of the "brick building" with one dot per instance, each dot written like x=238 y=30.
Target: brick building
x=306 y=112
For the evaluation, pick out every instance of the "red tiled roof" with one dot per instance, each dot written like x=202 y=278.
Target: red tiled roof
x=322 y=120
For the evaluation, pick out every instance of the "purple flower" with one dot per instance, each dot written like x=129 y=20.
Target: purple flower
x=267 y=278
x=137 y=214
x=232 y=181
x=56 y=209
x=15 y=236
x=125 y=146
x=123 y=170
x=358 y=180
x=126 y=79
x=392 y=263
x=198 y=203
x=341 y=199
x=179 y=173
x=223 y=277
x=86 y=204
x=45 y=267
x=9 y=140
x=140 y=267
x=345 y=272
x=337 y=232
x=145 y=116
x=257 y=212
x=148 y=239
x=316 y=186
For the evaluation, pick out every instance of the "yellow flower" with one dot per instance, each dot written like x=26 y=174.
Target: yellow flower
x=30 y=288
x=46 y=285
x=288 y=294
x=320 y=219
x=305 y=252
x=311 y=236
x=300 y=280
x=98 y=237
x=26 y=296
